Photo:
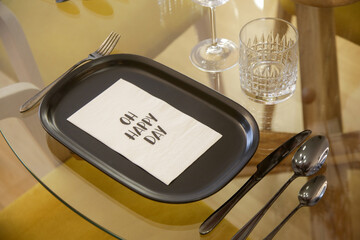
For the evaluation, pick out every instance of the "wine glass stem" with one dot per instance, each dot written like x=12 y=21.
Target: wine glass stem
x=213 y=25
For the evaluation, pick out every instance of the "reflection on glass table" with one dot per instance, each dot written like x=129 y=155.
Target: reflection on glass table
x=101 y=205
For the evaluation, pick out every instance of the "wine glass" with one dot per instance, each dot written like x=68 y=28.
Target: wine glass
x=215 y=54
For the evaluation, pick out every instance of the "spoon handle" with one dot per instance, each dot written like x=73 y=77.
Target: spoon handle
x=276 y=230
x=215 y=218
x=250 y=225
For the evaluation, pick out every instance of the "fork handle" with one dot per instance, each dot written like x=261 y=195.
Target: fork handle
x=38 y=96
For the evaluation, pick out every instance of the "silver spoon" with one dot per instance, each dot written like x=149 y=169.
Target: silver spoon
x=308 y=159
x=309 y=195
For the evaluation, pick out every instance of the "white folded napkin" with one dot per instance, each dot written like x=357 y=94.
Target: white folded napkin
x=146 y=130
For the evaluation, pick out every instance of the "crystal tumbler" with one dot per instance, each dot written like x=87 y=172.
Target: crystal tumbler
x=268 y=60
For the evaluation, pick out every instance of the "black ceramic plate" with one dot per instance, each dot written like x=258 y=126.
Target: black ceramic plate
x=208 y=174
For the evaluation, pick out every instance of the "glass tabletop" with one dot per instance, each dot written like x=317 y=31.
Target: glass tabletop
x=325 y=101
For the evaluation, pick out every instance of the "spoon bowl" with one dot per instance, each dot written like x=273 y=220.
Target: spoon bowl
x=310 y=157
x=309 y=195
x=312 y=191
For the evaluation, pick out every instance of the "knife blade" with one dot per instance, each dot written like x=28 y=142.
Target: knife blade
x=263 y=168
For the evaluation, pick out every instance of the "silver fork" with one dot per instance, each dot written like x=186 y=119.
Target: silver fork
x=105 y=49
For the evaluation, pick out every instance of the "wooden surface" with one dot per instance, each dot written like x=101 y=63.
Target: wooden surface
x=326 y=3
x=271 y=140
x=318 y=69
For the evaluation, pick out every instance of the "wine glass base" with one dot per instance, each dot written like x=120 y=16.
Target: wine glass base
x=214 y=58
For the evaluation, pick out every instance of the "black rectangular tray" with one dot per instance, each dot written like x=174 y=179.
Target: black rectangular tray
x=208 y=174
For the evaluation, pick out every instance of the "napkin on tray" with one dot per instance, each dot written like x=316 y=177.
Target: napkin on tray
x=146 y=130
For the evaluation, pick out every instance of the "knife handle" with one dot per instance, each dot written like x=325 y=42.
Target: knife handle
x=215 y=218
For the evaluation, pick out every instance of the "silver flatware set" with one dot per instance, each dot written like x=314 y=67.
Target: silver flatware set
x=308 y=159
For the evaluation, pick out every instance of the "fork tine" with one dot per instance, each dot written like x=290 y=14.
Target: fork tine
x=108 y=41
x=112 y=45
x=103 y=44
